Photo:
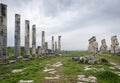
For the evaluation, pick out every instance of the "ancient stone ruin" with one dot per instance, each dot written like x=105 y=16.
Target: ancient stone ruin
x=114 y=44
x=27 y=38
x=59 y=43
x=93 y=45
x=3 y=32
x=103 y=47
x=17 y=36
x=53 y=45
x=34 y=40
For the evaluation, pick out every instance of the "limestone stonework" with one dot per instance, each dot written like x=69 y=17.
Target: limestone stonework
x=93 y=45
x=34 y=40
x=53 y=45
x=3 y=32
x=59 y=43
x=27 y=38
x=56 y=46
x=114 y=44
x=103 y=47
x=43 y=42
x=17 y=36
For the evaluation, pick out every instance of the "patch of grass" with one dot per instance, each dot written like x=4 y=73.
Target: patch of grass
x=33 y=69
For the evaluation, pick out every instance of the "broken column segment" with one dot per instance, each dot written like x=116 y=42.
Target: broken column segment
x=114 y=44
x=103 y=47
x=27 y=38
x=59 y=43
x=93 y=45
x=34 y=40
x=17 y=36
x=53 y=44
x=3 y=31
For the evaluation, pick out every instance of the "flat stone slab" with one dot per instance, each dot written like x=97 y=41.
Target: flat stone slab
x=17 y=70
x=53 y=78
x=57 y=64
x=47 y=70
x=52 y=72
x=26 y=81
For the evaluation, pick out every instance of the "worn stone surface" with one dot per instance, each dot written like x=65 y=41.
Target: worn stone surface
x=3 y=32
x=43 y=42
x=57 y=64
x=46 y=47
x=26 y=81
x=27 y=38
x=114 y=44
x=53 y=45
x=53 y=78
x=85 y=79
x=103 y=47
x=39 y=51
x=59 y=43
x=17 y=36
x=56 y=46
x=34 y=40
x=93 y=45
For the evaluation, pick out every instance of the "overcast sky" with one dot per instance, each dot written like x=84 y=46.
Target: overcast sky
x=75 y=20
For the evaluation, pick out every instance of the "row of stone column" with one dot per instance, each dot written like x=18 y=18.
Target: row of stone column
x=17 y=51
x=93 y=45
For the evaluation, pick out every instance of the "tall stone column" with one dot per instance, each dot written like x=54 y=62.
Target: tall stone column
x=3 y=31
x=43 y=42
x=59 y=43
x=56 y=46
x=52 y=44
x=27 y=27
x=17 y=36
x=34 y=39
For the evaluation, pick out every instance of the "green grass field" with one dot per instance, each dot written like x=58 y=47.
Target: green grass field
x=33 y=69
